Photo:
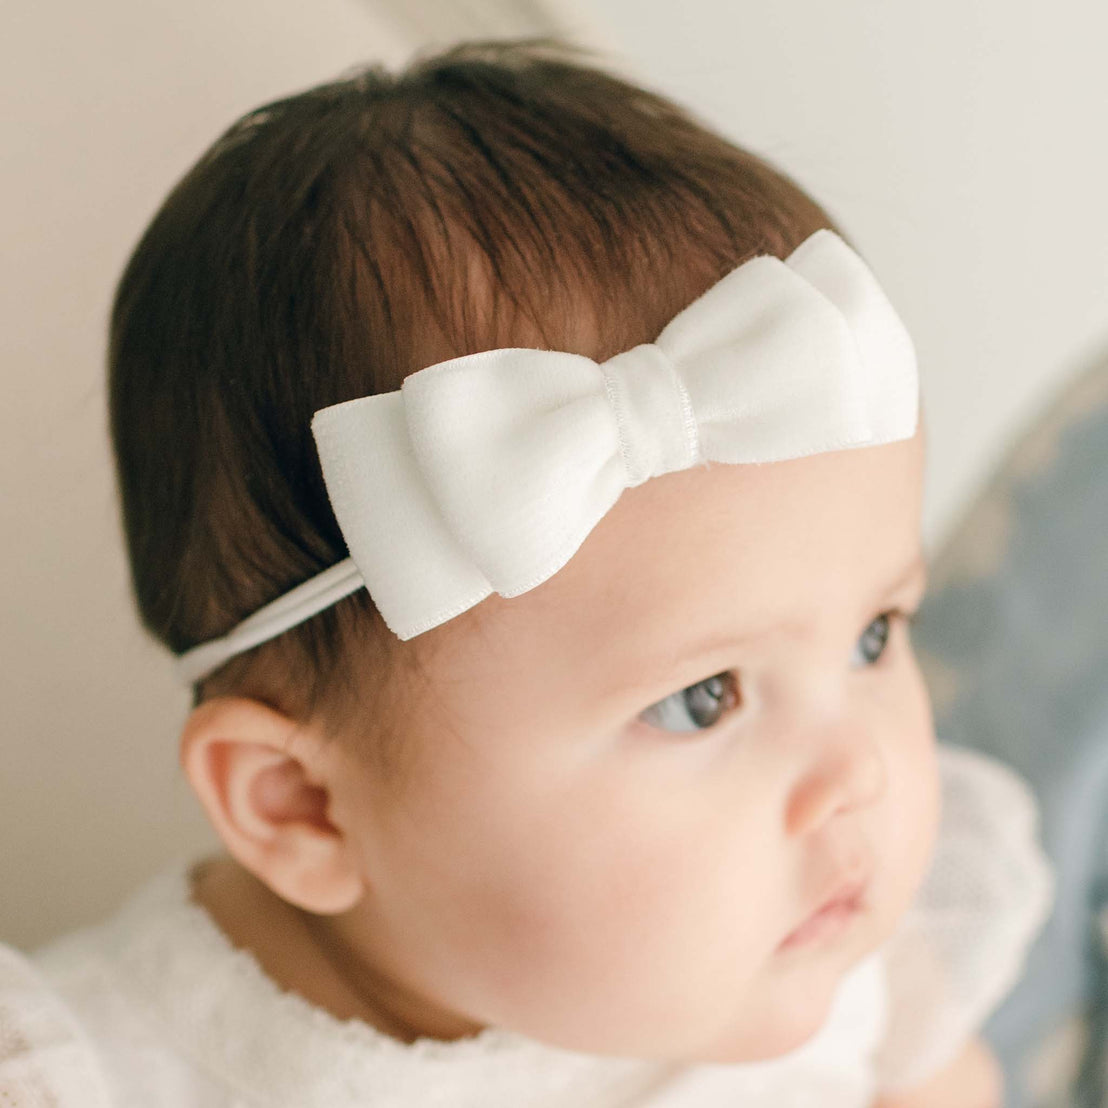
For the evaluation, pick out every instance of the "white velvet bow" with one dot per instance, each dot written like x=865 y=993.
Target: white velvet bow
x=485 y=473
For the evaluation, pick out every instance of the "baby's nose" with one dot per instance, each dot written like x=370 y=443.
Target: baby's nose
x=848 y=774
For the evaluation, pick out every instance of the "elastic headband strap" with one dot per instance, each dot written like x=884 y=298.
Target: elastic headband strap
x=288 y=610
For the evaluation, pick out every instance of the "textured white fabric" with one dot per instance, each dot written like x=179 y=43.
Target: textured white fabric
x=485 y=473
x=180 y=1019
x=45 y=1059
x=962 y=945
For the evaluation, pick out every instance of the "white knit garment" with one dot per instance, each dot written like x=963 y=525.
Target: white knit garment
x=154 y=1008
x=45 y=1059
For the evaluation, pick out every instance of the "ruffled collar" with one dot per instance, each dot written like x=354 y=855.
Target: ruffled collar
x=224 y=1012
x=218 y=1007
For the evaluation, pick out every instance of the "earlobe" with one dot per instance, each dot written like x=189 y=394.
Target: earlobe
x=268 y=799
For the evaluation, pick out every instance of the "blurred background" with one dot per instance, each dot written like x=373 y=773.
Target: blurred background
x=961 y=143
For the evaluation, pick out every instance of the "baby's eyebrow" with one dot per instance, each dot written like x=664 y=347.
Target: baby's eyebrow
x=651 y=674
x=917 y=569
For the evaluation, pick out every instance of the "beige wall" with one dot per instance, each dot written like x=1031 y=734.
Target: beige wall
x=959 y=143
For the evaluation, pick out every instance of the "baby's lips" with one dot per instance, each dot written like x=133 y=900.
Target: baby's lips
x=835 y=913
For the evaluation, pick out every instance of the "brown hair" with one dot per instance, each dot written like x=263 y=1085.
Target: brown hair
x=329 y=244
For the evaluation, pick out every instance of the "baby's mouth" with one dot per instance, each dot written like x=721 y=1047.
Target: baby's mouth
x=833 y=917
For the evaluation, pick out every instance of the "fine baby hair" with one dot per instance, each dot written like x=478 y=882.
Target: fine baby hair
x=330 y=244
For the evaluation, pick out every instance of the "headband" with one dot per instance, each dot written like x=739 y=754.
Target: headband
x=485 y=473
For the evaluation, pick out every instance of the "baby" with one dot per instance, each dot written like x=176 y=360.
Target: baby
x=557 y=710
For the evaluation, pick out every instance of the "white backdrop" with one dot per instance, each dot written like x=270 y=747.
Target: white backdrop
x=960 y=143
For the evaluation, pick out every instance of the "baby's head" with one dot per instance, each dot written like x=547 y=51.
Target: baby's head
x=593 y=812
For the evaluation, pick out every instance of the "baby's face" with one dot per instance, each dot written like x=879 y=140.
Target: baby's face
x=629 y=785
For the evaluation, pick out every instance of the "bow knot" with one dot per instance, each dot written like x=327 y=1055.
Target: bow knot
x=653 y=413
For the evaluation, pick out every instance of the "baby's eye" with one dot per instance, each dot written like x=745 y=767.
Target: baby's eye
x=876 y=636
x=703 y=704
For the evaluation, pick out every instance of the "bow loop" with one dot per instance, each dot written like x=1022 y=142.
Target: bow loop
x=518 y=452
x=766 y=351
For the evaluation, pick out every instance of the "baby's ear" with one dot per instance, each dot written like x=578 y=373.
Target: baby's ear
x=255 y=775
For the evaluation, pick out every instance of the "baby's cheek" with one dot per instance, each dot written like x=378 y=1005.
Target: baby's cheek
x=927 y=792
x=645 y=948
x=911 y=816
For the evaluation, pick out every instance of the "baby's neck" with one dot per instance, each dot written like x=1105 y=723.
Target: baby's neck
x=299 y=952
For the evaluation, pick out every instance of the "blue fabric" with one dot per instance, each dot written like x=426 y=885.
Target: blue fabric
x=1013 y=642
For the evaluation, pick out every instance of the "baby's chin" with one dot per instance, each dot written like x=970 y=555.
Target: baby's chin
x=792 y=1012
x=765 y=1039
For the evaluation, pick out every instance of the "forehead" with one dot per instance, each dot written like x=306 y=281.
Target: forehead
x=719 y=548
